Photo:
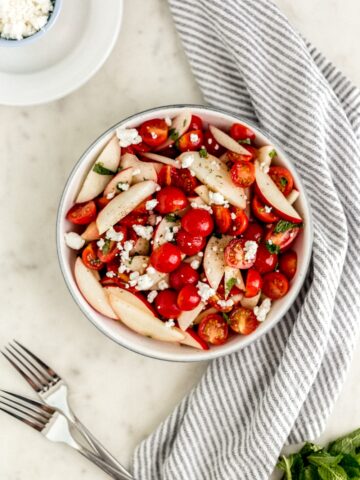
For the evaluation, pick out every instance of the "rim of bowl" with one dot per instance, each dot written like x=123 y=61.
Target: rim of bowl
x=11 y=42
x=210 y=354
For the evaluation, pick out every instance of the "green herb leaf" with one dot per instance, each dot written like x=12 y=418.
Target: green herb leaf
x=309 y=448
x=101 y=170
x=324 y=458
x=336 y=472
x=226 y=317
x=246 y=140
x=173 y=134
x=347 y=444
x=272 y=154
x=284 y=225
x=272 y=247
x=106 y=247
x=351 y=465
x=172 y=217
x=283 y=181
x=203 y=152
x=230 y=283
x=285 y=464
x=310 y=473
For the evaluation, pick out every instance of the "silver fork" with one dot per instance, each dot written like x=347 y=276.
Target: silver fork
x=52 y=424
x=53 y=391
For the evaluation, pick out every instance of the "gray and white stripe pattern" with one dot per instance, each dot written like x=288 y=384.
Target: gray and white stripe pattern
x=248 y=60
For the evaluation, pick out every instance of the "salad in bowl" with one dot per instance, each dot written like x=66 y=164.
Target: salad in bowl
x=183 y=233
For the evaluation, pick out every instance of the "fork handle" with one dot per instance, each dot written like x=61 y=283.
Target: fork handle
x=109 y=469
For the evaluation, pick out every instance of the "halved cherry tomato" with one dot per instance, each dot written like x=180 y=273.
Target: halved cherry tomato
x=128 y=149
x=282 y=239
x=189 y=244
x=183 y=179
x=166 y=175
x=169 y=151
x=253 y=283
x=198 y=222
x=82 y=213
x=134 y=219
x=141 y=208
x=170 y=199
x=243 y=174
x=216 y=302
x=240 y=222
x=222 y=218
x=184 y=275
x=275 y=285
x=190 y=141
x=288 y=263
x=165 y=304
x=154 y=132
x=101 y=202
x=235 y=254
x=108 y=252
x=265 y=261
x=196 y=123
x=188 y=298
x=141 y=147
x=243 y=321
x=254 y=232
x=239 y=157
x=90 y=258
x=283 y=179
x=262 y=211
x=213 y=329
x=211 y=144
x=166 y=258
x=241 y=132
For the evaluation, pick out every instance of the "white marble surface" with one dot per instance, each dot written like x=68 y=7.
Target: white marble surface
x=119 y=395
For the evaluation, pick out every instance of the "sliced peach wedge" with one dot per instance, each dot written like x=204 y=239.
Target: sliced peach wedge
x=227 y=142
x=214 y=263
x=142 y=170
x=124 y=176
x=179 y=126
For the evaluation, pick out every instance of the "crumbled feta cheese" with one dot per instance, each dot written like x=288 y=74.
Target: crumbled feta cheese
x=23 y=18
x=110 y=195
x=187 y=160
x=125 y=250
x=204 y=207
x=128 y=136
x=152 y=295
x=233 y=216
x=200 y=254
x=74 y=240
x=262 y=310
x=123 y=268
x=144 y=282
x=267 y=209
x=111 y=234
x=205 y=291
x=153 y=135
x=151 y=270
x=225 y=303
x=194 y=137
x=134 y=275
x=123 y=186
x=163 y=285
x=111 y=274
x=168 y=121
x=100 y=243
x=218 y=199
x=170 y=323
x=137 y=171
x=250 y=250
x=158 y=188
x=195 y=264
x=151 y=204
x=170 y=232
x=143 y=232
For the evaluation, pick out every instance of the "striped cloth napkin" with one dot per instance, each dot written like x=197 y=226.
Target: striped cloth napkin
x=248 y=60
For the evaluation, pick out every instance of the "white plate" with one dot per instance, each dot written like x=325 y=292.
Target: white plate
x=65 y=57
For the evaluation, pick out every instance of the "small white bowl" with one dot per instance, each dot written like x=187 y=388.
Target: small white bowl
x=119 y=332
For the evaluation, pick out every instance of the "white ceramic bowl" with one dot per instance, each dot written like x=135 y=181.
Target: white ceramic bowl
x=119 y=332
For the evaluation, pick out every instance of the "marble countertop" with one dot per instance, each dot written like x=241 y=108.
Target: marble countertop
x=119 y=395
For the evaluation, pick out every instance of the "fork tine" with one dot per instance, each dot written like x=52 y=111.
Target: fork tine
x=34 y=368
x=35 y=386
x=39 y=406
x=49 y=370
x=24 y=411
x=28 y=422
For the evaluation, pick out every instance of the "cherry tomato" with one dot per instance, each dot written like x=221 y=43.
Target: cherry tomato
x=198 y=222
x=254 y=232
x=288 y=263
x=82 y=213
x=141 y=208
x=242 y=157
x=190 y=141
x=213 y=329
x=101 y=202
x=241 y=132
x=243 y=321
x=165 y=304
x=188 y=298
x=184 y=275
x=169 y=151
x=90 y=258
x=265 y=261
x=128 y=149
x=243 y=174
x=222 y=218
x=216 y=302
x=283 y=179
x=235 y=254
x=211 y=144
x=154 y=132
x=189 y=244
x=253 y=283
x=196 y=123
x=141 y=147
x=263 y=212
x=134 y=219
x=166 y=258
x=184 y=180
x=166 y=175
x=170 y=199
x=275 y=285
x=108 y=252
x=240 y=222
x=282 y=239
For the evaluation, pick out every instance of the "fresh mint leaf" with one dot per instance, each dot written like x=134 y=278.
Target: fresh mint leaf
x=283 y=181
x=310 y=473
x=346 y=444
x=272 y=154
x=336 y=472
x=246 y=141
x=173 y=134
x=285 y=464
x=324 y=458
x=226 y=317
x=351 y=465
x=230 y=283
x=101 y=170
x=272 y=247
x=203 y=152
x=309 y=448
x=106 y=247
x=284 y=225
x=172 y=217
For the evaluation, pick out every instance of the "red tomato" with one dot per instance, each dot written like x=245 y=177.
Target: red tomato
x=196 y=123
x=254 y=232
x=128 y=149
x=170 y=199
x=190 y=141
x=90 y=258
x=154 y=132
x=166 y=175
x=184 y=180
x=141 y=208
x=101 y=202
x=288 y=263
x=188 y=298
x=240 y=222
x=141 y=148
x=222 y=218
x=243 y=174
x=283 y=179
x=211 y=144
x=108 y=252
x=241 y=132
x=189 y=244
x=265 y=261
x=213 y=329
x=134 y=219
x=282 y=239
x=165 y=304
x=253 y=283
x=184 y=275
x=275 y=285
x=243 y=321
x=166 y=258
x=259 y=210
x=240 y=157
x=218 y=297
x=198 y=222
x=235 y=254
x=82 y=213
x=169 y=151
